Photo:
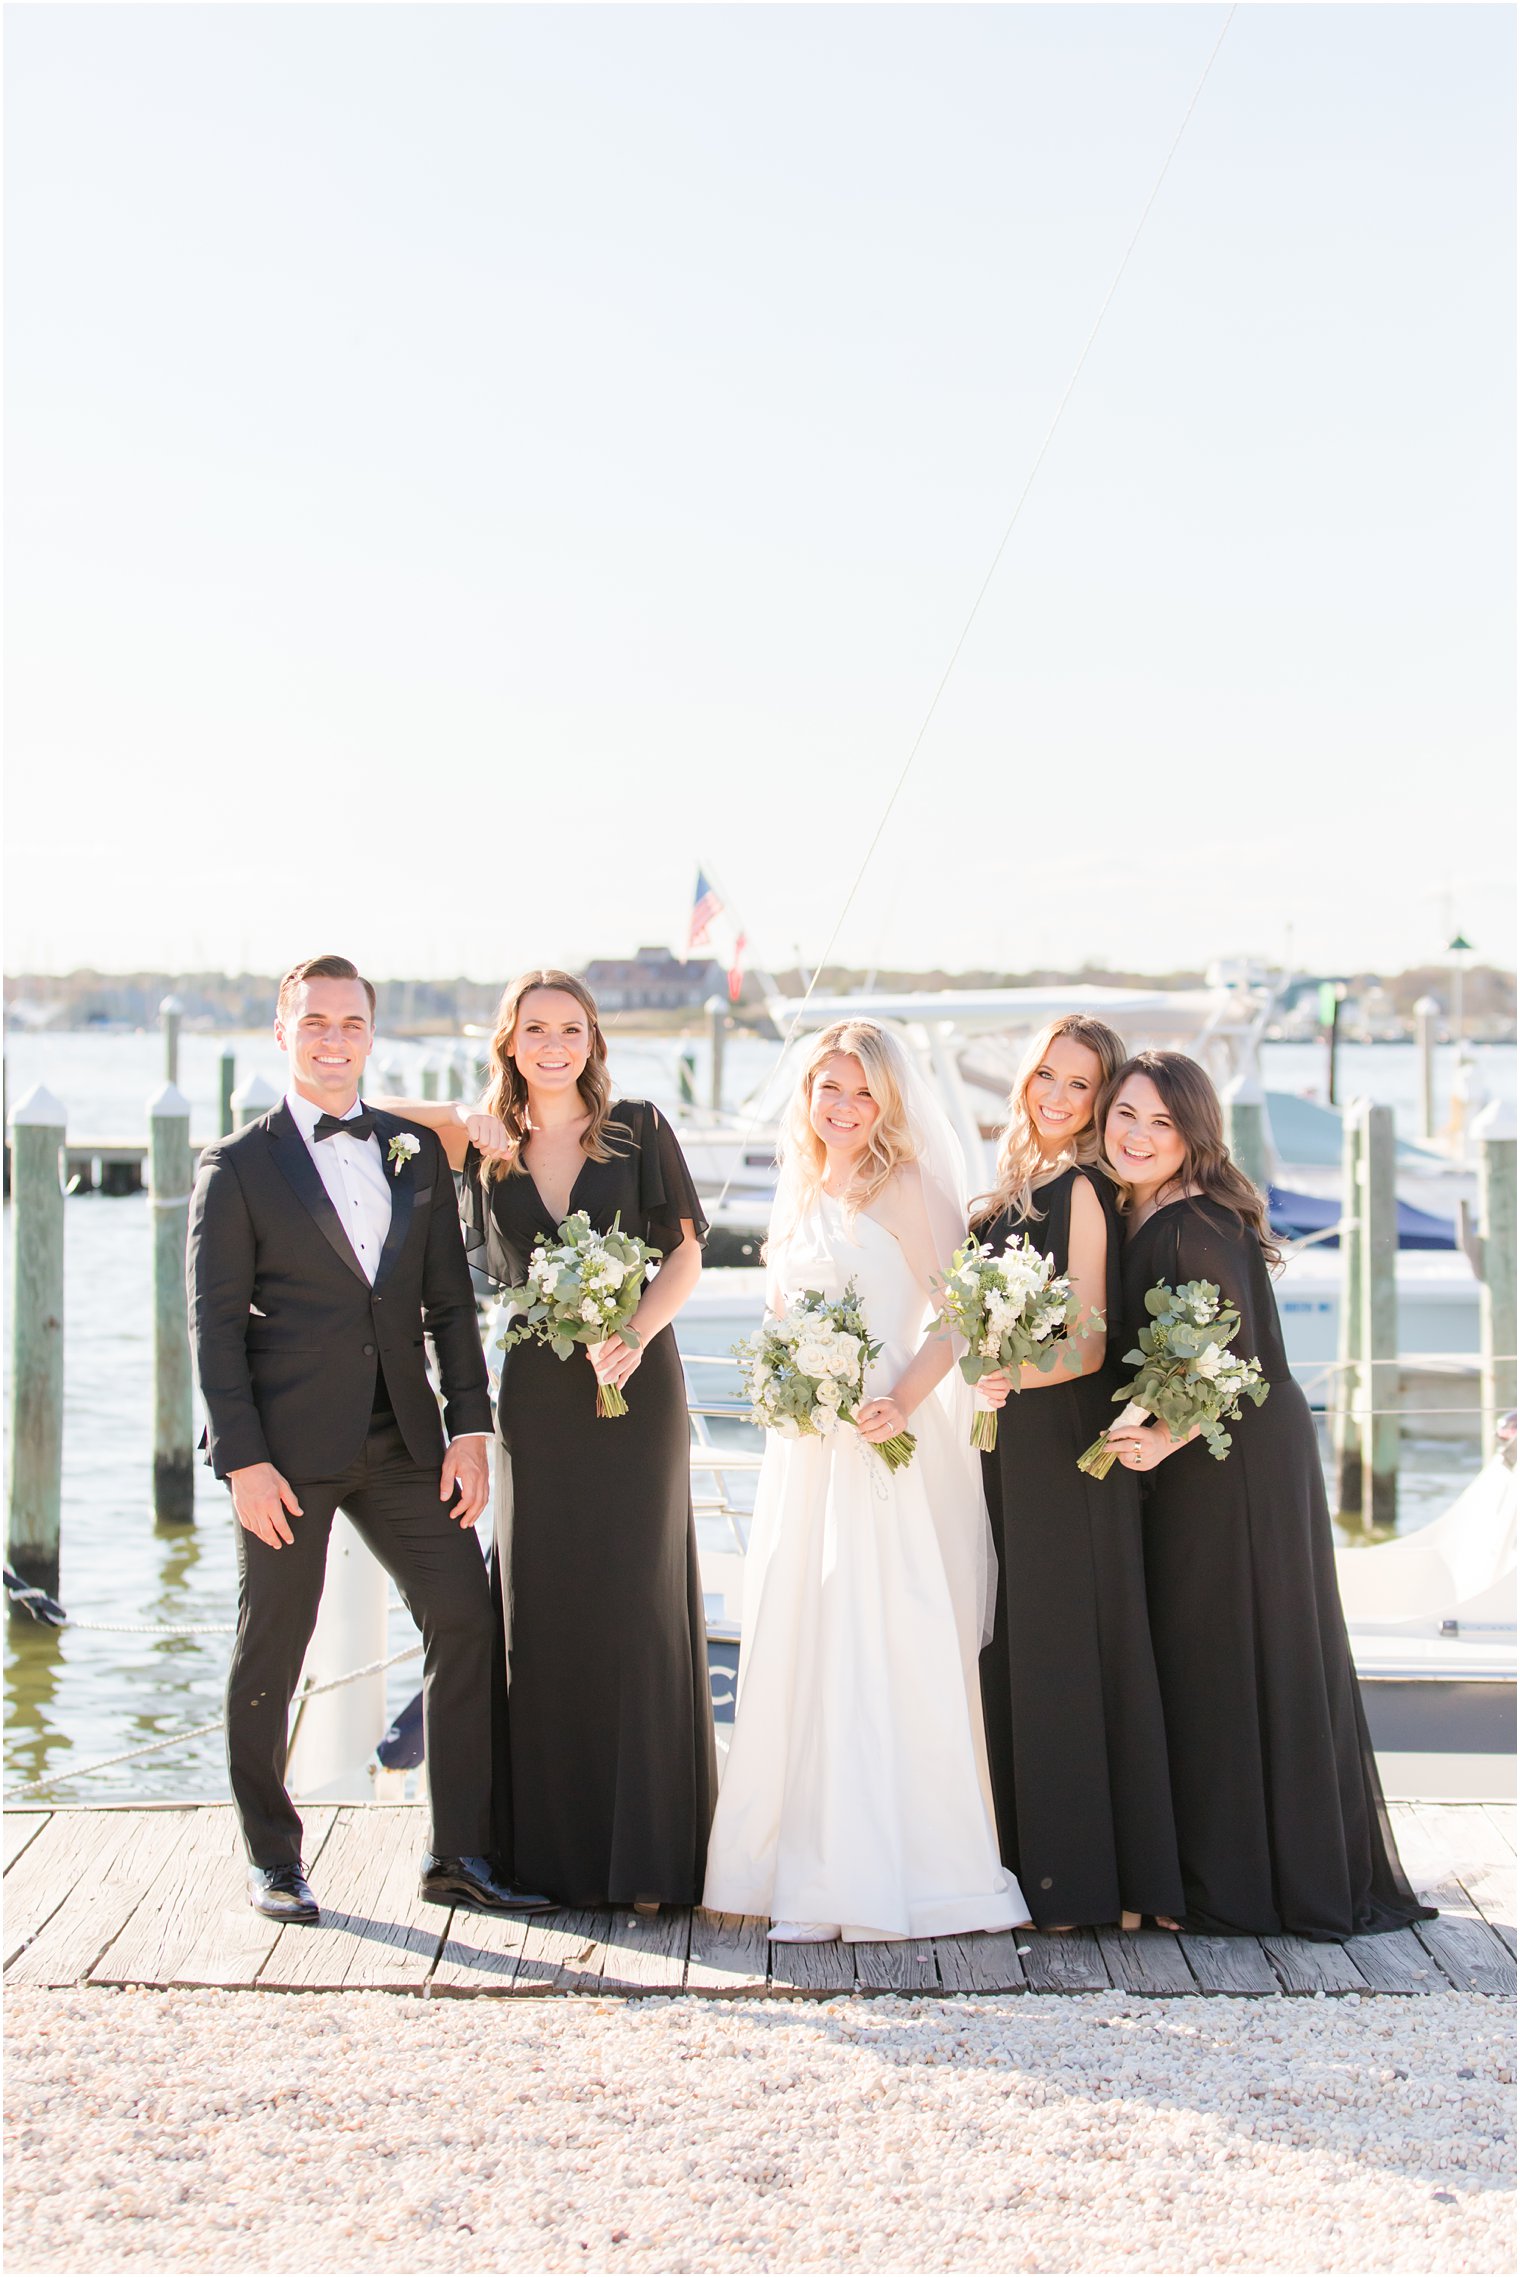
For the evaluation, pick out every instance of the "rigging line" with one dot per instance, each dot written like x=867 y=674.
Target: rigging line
x=983 y=589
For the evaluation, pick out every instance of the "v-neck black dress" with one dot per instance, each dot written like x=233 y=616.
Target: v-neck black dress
x=1076 y=1744
x=604 y=1767
x=1281 y=1821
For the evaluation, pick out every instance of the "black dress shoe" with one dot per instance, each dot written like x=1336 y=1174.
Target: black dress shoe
x=281 y=1893
x=472 y=1883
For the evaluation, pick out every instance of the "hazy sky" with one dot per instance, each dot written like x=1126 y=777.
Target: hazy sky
x=467 y=463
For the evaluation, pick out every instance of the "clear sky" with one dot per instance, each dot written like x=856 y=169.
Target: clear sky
x=467 y=463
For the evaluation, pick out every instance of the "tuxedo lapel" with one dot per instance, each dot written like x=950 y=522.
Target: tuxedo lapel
x=302 y=1175
x=402 y=1175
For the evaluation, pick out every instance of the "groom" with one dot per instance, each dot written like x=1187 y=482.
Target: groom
x=324 y=1243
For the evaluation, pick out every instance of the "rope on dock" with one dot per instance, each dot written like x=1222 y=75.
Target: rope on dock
x=203 y=1731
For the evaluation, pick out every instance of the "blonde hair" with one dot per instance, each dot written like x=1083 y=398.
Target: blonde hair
x=890 y=1144
x=507 y=1094
x=1019 y=1158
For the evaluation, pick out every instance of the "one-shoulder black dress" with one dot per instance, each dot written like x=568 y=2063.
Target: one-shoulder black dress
x=1075 y=1738
x=1281 y=1822
x=604 y=1767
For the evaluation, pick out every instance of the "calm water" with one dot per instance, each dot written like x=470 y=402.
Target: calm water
x=77 y=1694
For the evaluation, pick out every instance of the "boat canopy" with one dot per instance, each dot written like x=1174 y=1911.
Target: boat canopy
x=1297 y=1216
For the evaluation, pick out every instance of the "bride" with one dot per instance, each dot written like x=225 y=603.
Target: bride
x=855 y=1802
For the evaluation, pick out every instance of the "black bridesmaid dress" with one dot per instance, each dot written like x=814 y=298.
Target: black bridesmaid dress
x=1075 y=1738
x=605 y=1772
x=1281 y=1822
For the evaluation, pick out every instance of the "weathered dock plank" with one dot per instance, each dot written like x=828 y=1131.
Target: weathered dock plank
x=985 y=1960
x=1146 y=1960
x=1501 y=1816
x=897 y=1964
x=1396 y=1962
x=226 y=1943
x=562 y=1952
x=646 y=1953
x=120 y=1866
x=480 y=1953
x=1306 y=1966
x=1230 y=1964
x=812 y=1972
x=1071 y=1961
x=729 y=1954
x=20 y=1826
x=375 y=1931
x=74 y=1848
x=1479 y=1858
x=189 y=1880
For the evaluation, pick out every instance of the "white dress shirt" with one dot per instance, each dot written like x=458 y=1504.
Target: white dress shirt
x=353 y=1172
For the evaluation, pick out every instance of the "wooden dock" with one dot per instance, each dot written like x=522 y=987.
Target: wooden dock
x=155 y=1897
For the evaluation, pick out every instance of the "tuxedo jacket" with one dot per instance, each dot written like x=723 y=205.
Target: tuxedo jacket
x=289 y=1335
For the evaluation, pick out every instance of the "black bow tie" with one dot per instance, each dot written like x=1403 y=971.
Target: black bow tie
x=360 y=1126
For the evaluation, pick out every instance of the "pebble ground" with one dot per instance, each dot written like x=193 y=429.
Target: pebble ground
x=364 y=2132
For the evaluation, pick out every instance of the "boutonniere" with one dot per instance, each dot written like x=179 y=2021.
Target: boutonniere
x=401 y=1149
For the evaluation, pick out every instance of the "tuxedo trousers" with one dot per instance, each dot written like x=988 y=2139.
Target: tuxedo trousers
x=437 y=1566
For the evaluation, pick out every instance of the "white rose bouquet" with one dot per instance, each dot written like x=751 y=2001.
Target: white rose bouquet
x=1014 y=1311
x=1187 y=1376
x=806 y=1372
x=581 y=1289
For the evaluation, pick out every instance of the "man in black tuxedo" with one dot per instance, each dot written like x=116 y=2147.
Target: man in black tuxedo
x=324 y=1246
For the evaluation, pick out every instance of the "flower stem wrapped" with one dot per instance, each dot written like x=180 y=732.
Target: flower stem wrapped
x=1014 y=1311
x=581 y=1289
x=806 y=1372
x=1188 y=1378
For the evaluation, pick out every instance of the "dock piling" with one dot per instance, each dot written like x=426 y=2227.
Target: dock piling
x=169 y=1183
x=226 y=1121
x=718 y=1025
x=1494 y=1131
x=1379 y=1247
x=252 y=1099
x=1426 y=1013
x=455 y=1074
x=1245 y=1128
x=35 y=1507
x=1346 y=1430
x=430 y=1077
x=170 y=1013
x=686 y=1078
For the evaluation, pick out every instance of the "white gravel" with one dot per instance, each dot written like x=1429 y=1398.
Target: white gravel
x=362 y=2132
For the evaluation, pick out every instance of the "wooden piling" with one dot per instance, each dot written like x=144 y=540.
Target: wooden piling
x=718 y=1025
x=686 y=1079
x=430 y=1077
x=169 y=1182
x=226 y=1120
x=35 y=1507
x=455 y=1075
x=252 y=1099
x=1494 y=1131
x=1245 y=1129
x=1426 y=1013
x=170 y=1013
x=1380 y=1322
x=1346 y=1429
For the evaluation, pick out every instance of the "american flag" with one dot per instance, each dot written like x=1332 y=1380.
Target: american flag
x=705 y=907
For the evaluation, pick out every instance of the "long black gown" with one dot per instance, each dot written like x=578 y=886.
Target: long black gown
x=1281 y=1822
x=1075 y=1738
x=605 y=1772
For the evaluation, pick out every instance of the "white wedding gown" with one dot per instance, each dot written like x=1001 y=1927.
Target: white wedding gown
x=855 y=1791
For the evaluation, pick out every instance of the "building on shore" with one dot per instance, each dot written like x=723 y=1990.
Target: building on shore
x=654 y=981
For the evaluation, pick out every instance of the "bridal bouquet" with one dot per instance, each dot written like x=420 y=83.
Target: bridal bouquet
x=1014 y=1311
x=1187 y=1377
x=581 y=1289
x=806 y=1372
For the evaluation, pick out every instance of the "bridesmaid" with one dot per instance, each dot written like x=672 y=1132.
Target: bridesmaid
x=1075 y=1737
x=1281 y=1822
x=605 y=1765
